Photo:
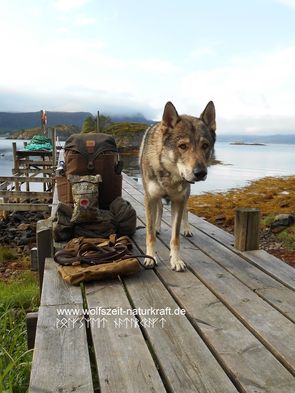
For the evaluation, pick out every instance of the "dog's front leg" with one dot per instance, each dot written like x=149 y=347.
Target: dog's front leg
x=186 y=227
x=177 y=208
x=151 y=205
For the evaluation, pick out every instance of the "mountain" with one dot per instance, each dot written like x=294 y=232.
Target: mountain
x=10 y=121
x=272 y=139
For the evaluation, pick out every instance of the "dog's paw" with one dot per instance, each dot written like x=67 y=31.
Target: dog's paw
x=149 y=262
x=188 y=233
x=177 y=264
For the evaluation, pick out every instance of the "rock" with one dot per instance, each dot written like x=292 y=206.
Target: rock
x=23 y=227
x=219 y=219
x=281 y=222
x=23 y=241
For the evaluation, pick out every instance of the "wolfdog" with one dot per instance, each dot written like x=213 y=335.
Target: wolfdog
x=174 y=153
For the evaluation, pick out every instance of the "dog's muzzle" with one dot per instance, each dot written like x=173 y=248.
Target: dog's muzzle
x=200 y=173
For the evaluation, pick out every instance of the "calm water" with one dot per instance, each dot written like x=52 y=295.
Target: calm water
x=240 y=164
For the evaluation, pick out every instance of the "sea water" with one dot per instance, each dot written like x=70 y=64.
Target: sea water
x=239 y=164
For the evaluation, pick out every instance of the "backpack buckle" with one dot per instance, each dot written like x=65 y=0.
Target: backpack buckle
x=90 y=165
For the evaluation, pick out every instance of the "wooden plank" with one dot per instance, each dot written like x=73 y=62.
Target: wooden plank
x=25 y=207
x=34 y=171
x=239 y=351
x=55 y=290
x=184 y=359
x=273 y=266
x=23 y=179
x=273 y=329
x=122 y=356
x=27 y=161
x=260 y=258
x=26 y=194
x=33 y=153
x=61 y=360
x=251 y=276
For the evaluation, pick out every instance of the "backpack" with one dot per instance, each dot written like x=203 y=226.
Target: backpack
x=92 y=154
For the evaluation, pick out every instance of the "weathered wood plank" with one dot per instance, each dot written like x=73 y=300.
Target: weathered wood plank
x=24 y=207
x=61 y=360
x=27 y=161
x=184 y=359
x=55 y=290
x=26 y=194
x=24 y=179
x=273 y=266
x=240 y=352
x=33 y=171
x=33 y=153
x=275 y=331
x=251 y=276
x=260 y=258
x=123 y=358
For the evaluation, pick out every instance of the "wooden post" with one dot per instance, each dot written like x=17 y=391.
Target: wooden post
x=32 y=319
x=97 y=123
x=247 y=229
x=15 y=165
x=53 y=149
x=44 y=246
x=34 y=259
x=27 y=173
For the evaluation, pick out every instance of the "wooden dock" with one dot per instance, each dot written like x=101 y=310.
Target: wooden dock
x=29 y=167
x=237 y=334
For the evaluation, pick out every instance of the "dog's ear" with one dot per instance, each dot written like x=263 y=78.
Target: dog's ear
x=170 y=115
x=208 y=116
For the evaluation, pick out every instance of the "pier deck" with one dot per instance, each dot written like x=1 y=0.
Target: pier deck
x=237 y=334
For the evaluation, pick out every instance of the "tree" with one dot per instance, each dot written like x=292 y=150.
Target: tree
x=104 y=122
x=89 y=125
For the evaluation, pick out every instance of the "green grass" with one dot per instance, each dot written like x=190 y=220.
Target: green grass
x=7 y=254
x=16 y=298
x=287 y=236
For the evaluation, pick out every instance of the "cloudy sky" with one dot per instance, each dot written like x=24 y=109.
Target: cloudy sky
x=122 y=56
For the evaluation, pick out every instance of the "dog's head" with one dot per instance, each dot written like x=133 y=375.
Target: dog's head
x=188 y=141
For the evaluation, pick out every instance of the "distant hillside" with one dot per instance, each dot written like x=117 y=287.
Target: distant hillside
x=127 y=135
x=63 y=131
x=11 y=122
x=275 y=139
x=20 y=121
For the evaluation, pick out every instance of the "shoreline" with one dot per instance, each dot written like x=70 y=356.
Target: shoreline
x=274 y=196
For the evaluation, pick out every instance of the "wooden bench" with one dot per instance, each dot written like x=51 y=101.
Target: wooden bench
x=237 y=334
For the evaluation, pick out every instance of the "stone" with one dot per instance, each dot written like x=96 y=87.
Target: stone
x=23 y=227
x=281 y=222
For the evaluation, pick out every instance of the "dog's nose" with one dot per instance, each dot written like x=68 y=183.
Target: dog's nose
x=200 y=173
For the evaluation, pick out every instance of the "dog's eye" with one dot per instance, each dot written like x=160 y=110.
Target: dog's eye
x=183 y=146
x=205 y=146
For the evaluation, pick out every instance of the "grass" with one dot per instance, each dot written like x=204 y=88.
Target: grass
x=7 y=254
x=17 y=297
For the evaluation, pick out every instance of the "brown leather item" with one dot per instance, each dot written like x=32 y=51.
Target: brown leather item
x=88 y=259
x=76 y=274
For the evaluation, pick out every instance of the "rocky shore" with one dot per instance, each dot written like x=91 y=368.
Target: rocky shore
x=17 y=237
x=274 y=196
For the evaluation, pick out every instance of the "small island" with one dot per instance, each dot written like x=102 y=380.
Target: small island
x=248 y=143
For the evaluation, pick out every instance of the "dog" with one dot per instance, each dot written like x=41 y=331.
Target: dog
x=174 y=154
